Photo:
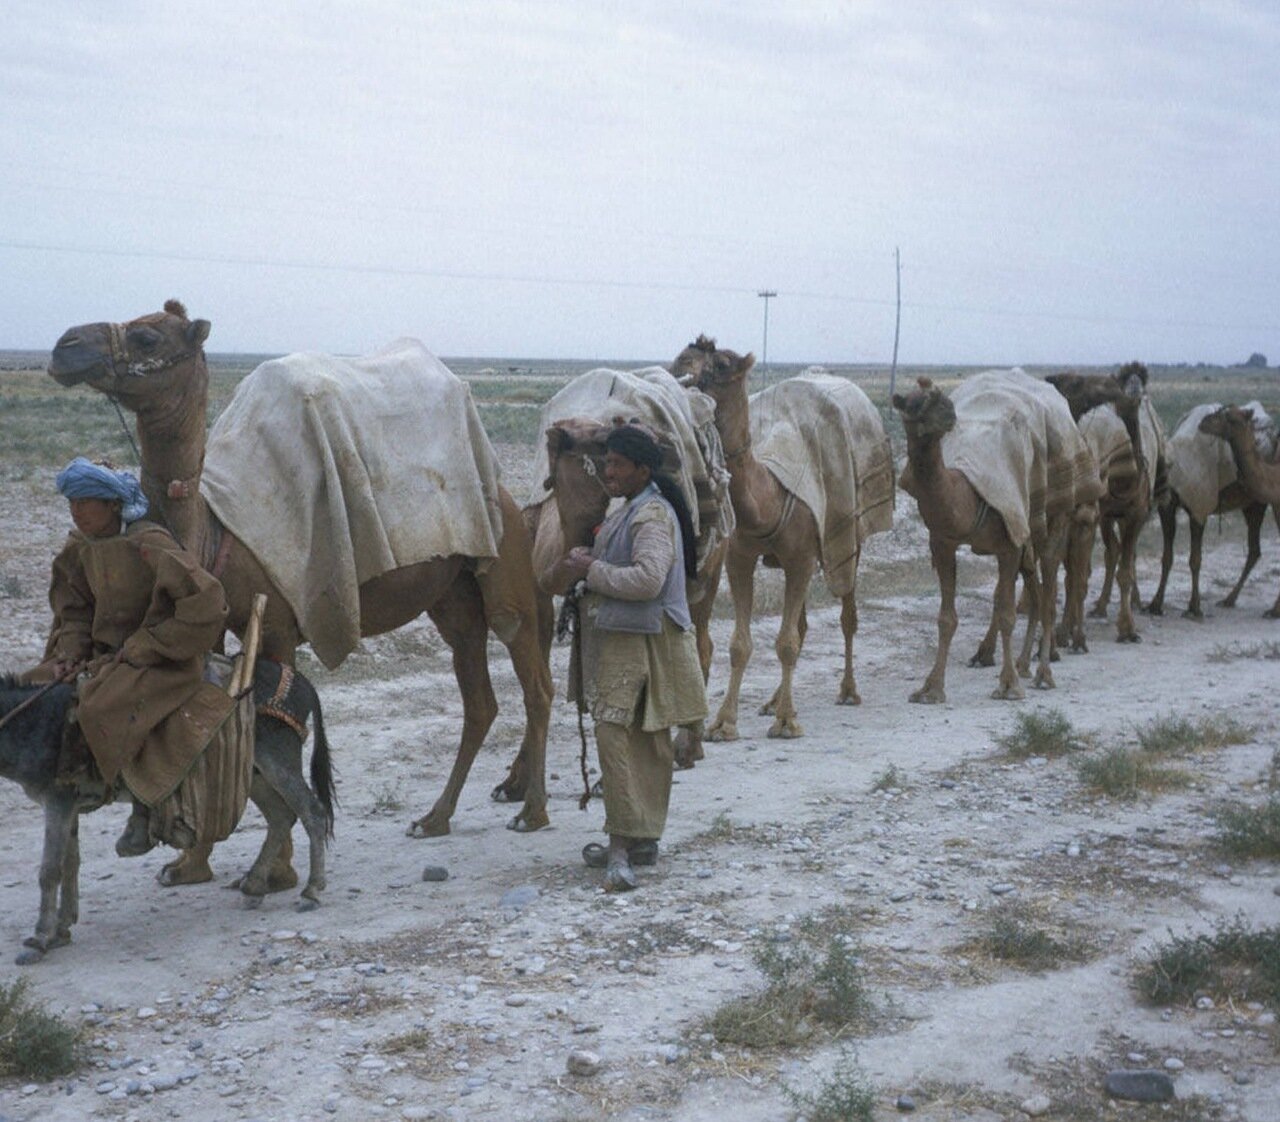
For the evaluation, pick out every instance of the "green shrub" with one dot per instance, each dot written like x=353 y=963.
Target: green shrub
x=1250 y=831
x=1040 y=732
x=34 y=1044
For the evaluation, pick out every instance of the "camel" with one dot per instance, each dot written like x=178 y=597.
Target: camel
x=777 y=526
x=30 y=741
x=155 y=367
x=1130 y=498
x=1259 y=478
x=1202 y=483
x=1085 y=393
x=1016 y=437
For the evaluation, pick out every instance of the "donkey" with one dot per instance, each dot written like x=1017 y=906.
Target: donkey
x=29 y=746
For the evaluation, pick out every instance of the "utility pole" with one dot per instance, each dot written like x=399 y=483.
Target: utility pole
x=897 y=319
x=767 y=294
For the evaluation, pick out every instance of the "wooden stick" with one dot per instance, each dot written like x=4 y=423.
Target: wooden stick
x=242 y=676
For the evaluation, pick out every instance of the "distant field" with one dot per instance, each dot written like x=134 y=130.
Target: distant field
x=42 y=424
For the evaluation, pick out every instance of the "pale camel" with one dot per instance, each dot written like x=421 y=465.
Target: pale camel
x=155 y=367
x=1260 y=478
x=773 y=525
x=1186 y=465
x=1126 y=506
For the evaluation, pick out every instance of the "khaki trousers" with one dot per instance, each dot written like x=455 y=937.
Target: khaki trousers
x=635 y=770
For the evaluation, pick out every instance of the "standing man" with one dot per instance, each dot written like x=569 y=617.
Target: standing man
x=643 y=677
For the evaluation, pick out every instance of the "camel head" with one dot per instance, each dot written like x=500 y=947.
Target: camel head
x=926 y=410
x=1132 y=378
x=1229 y=421
x=1087 y=391
x=575 y=473
x=703 y=365
x=135 y=361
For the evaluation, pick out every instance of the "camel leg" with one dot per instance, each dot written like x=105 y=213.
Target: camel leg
x=1010 y=560
x=985 y=655
x=1194 y=610
x=687 y=743
x=534 y=674
x=459 y=618
x=513 y=788
x=1099 y=609
x=790 y=639
x=1274 y=611
x=1254 y=514
x=1048 y=579
x=741 y=570
x=1126 y=629
x=1168 y=531
x=59 y=904
x=848 y=694
x=1031 y=588
x=1079 y=549
x=770 y=707
x=944 y=564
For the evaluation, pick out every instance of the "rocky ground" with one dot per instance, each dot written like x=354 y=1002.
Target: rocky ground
x=903 y=827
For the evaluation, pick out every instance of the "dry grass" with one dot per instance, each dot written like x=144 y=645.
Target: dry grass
x=1176 y=735
x=1249 y=831
x=1041 y=732
x=1019 y=935
x=1235 y=962
x=1121 y=773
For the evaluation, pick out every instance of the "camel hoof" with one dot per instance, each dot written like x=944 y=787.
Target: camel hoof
x=1045 y=682
x=428 y=827
x=983 y=658
x=684 y=761
x=529 y=820
x=1009 y=693
x=1097 y=613
x=1132 y=637
x=507 y=792
x=720 y=733
x=849 y=696
x=183 y=871
x=1024 y=671
x=928 y=695
x=786 y=730
x=1198 y=616
x=768 y=709
x=1154 y=609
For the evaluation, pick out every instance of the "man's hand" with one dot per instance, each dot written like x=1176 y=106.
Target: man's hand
x=578 y=562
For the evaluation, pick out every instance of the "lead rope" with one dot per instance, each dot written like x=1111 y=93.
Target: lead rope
x=569 y=623
x=65 y=676
x=128 y=434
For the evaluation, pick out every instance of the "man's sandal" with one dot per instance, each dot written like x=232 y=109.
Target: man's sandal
x=596 y=856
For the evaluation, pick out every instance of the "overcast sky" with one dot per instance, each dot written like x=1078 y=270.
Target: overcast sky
x=1084 y=181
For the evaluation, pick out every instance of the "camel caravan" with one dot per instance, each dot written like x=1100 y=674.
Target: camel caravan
x=358 y=494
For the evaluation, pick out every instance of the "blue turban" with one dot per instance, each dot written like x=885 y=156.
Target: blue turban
x=82 y=479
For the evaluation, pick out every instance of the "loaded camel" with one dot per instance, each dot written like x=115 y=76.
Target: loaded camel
x=1041 y=441
x=1203 y=480
x=775 y=524
x=1132 y=493
x=155 y=367
x=32 y=720
x=1260 y=478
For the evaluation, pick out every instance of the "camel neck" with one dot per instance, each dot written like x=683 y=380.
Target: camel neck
x=1260 y=480
x=756 y=495
x=946 y=510
x=172 y=438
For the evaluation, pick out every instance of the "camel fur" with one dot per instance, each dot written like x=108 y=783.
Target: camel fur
x=155 y=367
x=774 y=525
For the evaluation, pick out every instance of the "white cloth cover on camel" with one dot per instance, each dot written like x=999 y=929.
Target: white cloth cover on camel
x=684 y=417
x=1201 y=465
x=1108 y=440
x=824 y=441
x=1154 y=452
x=334 y=470
x=1018 y=445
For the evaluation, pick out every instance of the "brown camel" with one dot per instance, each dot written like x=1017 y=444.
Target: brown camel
x=772 y=524
x=955 y=515
x=1124 y=509
x=155 y=367
x=1260 y=478
x=1194 y=486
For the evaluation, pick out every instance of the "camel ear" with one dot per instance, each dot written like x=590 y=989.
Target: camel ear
x=198 y=332
x=746 y=362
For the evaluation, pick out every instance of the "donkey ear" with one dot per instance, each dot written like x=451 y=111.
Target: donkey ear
x=558 y=440
x=198 y=332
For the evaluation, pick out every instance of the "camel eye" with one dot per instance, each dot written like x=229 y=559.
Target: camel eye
x=144 y=338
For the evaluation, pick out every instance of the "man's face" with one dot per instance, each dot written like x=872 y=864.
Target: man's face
x=624 y=477
x=96 y=518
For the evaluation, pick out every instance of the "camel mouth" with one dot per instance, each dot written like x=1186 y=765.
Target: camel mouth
x=82 y=356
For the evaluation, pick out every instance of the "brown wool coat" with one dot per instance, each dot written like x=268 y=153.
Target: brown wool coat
x=143 y=613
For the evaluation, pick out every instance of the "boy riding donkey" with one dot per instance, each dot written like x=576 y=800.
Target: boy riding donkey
x=134 y=616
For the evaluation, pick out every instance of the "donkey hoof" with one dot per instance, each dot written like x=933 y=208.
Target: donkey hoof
x=306 y=904
x=252 y=902
x=29 y=955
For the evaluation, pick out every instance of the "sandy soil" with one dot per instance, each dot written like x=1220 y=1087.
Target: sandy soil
x=400 y=998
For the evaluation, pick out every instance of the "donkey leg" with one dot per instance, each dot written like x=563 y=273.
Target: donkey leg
x=262 y=876
x=280 y=759
x=59 y=823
